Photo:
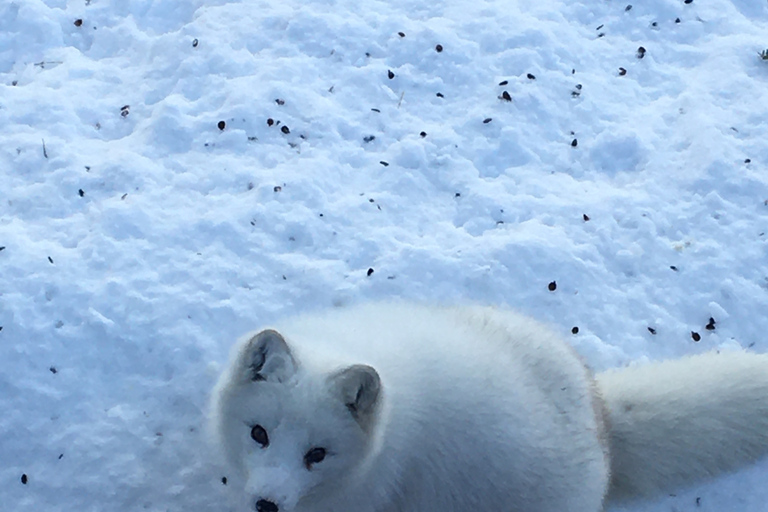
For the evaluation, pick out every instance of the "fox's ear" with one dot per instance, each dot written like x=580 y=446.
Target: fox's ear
x=267 y=357
x=359 y=388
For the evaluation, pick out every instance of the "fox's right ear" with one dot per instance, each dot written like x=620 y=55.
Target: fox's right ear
x=267 y=357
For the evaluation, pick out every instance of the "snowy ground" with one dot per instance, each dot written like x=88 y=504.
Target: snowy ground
x=149 y=213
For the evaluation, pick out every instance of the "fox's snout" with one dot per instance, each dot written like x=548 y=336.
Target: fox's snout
x=273 y=489
x=263 y=505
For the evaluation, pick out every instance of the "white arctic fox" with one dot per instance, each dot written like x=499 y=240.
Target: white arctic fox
x=406 y=408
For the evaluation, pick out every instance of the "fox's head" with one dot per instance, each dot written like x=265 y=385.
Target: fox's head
x=291 y=434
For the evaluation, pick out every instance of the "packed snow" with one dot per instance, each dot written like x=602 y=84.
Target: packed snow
x=176 y=173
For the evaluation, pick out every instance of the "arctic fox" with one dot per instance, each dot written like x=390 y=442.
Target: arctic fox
x=410 y=408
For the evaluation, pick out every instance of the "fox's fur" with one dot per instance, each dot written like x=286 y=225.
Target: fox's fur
x=409 y=408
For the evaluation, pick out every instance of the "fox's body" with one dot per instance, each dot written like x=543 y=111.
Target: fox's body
x=406 y=408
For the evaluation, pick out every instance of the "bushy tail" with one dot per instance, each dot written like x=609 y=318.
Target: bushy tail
x=680 y=421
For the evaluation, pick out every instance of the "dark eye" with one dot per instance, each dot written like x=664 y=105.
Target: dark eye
x=259 y=435
x=314 y=456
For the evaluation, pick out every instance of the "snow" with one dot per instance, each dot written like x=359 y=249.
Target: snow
x=140 y=242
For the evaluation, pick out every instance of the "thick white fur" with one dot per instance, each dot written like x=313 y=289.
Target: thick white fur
x=676 y=422
x=479 y=409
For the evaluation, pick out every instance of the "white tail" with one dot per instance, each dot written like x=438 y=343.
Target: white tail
x=680 y=421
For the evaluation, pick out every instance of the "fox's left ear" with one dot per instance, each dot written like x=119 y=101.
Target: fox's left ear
x=359 y=388
x=267 y=357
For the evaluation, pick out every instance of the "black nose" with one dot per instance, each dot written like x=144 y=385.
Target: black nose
x=265 y=506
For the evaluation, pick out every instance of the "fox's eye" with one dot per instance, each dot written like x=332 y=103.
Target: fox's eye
x=259 y=435
x=314 y=456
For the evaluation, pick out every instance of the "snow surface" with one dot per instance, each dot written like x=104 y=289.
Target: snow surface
x=140 y=239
